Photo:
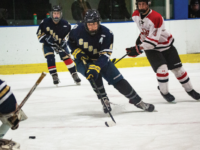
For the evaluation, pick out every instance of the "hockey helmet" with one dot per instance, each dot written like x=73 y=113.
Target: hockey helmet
x=147 y=1
x=56 y=8
x=91 y=16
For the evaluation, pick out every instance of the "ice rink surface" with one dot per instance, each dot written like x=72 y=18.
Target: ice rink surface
x=70 y=117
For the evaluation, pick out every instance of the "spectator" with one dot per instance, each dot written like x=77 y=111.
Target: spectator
x=194 y=11
x=79 y=8
x=113 y=10
x=3 y=17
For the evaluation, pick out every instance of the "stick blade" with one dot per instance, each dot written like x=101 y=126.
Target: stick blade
x=110 y=123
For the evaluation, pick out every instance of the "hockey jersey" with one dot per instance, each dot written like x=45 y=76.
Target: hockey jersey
x=5 y=92
x=153 y=33
x=59 y=31
x=98 y=46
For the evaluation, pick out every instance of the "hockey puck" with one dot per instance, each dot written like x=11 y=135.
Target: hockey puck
x=32 y=137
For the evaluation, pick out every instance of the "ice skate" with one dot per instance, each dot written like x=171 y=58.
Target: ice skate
x=168 y=97
x=56 y=80
x=107 y=103
x=145 y=106
x=194 y=94
x=9 y=145
x=77 y=80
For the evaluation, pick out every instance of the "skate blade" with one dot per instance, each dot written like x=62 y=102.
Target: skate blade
x=78 y=83
x=172 y=102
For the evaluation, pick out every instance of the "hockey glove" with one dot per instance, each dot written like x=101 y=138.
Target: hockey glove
x=51 y=41
x=134 y=51
x=63 y=43
x=79 y=54
x=93 y=72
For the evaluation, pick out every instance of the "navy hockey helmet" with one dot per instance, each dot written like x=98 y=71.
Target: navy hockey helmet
x=56 y=8
x=91 y=16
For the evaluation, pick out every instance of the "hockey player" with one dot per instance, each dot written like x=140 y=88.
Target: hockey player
x=92 y=42
x=157 y=43
x=53 y=32
x=8 y=105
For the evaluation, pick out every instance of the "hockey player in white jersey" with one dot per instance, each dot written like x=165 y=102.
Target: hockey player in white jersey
x=157 y=43
x=8 y=105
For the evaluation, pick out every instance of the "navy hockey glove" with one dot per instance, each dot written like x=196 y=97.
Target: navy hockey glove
x=63 y=43
x=93 y=72
x=51 y=41
x=79 y=54
x=134 y=51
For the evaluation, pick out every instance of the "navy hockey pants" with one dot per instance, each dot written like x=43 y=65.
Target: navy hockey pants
x=110 y=73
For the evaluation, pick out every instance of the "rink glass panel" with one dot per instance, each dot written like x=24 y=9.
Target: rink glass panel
x=20 y=12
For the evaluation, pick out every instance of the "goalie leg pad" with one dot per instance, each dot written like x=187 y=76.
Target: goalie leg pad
x=9 y=145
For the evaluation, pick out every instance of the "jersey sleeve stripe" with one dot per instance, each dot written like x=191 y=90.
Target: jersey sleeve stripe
x=5 y=97
x=107 y=50
x=4 y=91
x=41 y=37
x=2 y=85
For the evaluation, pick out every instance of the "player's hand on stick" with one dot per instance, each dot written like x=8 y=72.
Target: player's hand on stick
x=79 y=54
x=63 y=43
x=134 y=51
x=51 y=41
x=93 y=72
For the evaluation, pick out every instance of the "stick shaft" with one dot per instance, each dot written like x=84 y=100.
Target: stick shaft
x=121 y=58
x=93 y=82
x=31 y=91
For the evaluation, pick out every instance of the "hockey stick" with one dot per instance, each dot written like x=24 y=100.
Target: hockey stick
x=30 y=92
x=110 y=123
x=113 y=61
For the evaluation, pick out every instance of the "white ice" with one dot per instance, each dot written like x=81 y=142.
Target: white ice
x=70 y=117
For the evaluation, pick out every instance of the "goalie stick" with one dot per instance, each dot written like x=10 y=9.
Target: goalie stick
x=107 y=123
x=30 y=92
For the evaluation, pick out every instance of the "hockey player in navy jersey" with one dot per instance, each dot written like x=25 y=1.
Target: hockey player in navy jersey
x=93 y=42
x=8 y=105
x=53 y=32
x=157 y=43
